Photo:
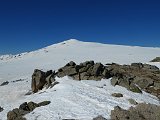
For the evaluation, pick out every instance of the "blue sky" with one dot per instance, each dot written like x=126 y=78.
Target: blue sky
x=27 y=25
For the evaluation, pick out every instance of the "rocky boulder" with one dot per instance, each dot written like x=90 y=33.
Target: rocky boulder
x=24 y=108
x=38 y=80
x=69 y=69
x=42 y=79
x=142 y=111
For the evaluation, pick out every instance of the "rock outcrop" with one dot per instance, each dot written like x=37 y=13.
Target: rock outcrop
x=135 y=77
x=24 y=108
x=142 y=111
x=42 y=79
x=157 y=59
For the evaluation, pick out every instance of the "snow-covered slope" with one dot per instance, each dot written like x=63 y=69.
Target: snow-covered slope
x=70 y=99
x=57 y=55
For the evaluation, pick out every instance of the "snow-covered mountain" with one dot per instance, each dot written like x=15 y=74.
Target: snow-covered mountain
x=70 y=99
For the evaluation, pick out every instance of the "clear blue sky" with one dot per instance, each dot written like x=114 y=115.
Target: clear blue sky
x=27 y=25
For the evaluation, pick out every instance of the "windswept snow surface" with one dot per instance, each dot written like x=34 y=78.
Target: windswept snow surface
x=70 y=99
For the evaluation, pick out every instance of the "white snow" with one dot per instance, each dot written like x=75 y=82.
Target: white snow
x=70 y=99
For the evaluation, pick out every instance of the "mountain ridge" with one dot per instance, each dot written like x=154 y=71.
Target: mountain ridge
x=72 y=41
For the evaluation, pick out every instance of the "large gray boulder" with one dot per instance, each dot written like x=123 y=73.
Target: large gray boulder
x=38 y=80
x=69 y=69
x=42 y=79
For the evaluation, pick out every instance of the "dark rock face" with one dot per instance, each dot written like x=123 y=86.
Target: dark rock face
x=42 y=79
x=24 y=108
x=157 y=59
x=69 y=69
x=1 y=109
x=38 y=80
x=99 y=118
x=4 y=83
x=140 y=112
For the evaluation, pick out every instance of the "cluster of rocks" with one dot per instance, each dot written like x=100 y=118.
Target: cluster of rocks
x=142 y=111
x=157 y=59
x=25 y=108
x=134 y=77
x=84 y=71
